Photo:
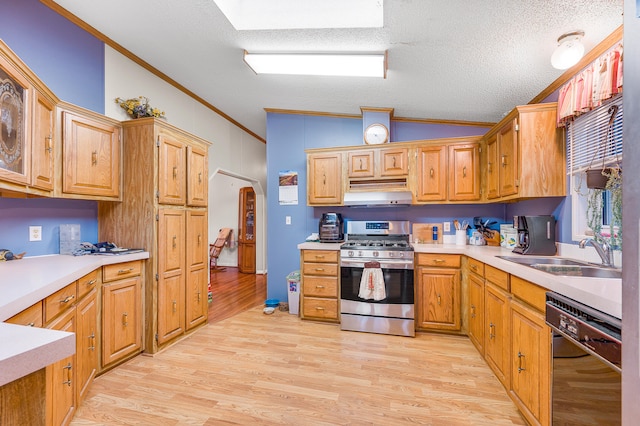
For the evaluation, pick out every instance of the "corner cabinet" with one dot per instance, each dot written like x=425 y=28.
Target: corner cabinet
x=91 y=154
x=525 y=155
x=324 y=179
x=164 y=211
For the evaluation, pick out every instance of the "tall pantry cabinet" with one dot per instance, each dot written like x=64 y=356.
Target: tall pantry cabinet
x=164 y=211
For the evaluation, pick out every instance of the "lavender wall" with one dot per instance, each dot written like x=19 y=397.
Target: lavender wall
x=71 y=62
x=16 y=215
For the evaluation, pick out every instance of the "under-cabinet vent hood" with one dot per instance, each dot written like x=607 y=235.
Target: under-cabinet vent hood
x=378 y=199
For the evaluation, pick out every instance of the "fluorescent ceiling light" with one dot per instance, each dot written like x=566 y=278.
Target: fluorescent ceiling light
x=332 y=64
x=299 y=14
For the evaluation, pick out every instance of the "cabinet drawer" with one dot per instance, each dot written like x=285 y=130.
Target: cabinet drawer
x=447 y=260
x=320 y=287
x=475 y=266
x=528 y=292
x=32 y=316
x=327 y=269
x=320 y=308
x=320 y=256
x=87 y=283
x=496 y=276
x=119 y=271
x=59 y=301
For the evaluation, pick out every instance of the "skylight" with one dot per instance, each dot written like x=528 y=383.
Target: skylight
x=299 y=14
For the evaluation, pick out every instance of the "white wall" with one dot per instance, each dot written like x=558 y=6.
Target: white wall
x=232 y=149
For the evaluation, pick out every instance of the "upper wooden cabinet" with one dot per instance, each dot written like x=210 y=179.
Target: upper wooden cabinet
x=197 y=176
x=525 y=155
x=42 y=146
x=91 y=154
x=324 y=178
x=448 y=171
x=378 y=163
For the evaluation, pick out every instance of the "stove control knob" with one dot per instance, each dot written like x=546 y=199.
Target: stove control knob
x=360 y=254
x=350 y=253
x=375 y=253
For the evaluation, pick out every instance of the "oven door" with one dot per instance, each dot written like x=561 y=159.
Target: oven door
x=398 y=280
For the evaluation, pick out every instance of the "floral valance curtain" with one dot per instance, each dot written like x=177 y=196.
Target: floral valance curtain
x=590 y=87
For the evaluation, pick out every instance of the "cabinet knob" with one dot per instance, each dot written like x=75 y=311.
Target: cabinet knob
x=431 y=172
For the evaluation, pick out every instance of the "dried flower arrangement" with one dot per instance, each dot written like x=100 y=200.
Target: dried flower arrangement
x=139 y=107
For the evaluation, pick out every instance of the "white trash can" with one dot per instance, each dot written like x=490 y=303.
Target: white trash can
x=293 y=282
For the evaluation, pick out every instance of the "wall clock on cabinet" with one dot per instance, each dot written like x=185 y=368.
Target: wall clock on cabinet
x=376 y=134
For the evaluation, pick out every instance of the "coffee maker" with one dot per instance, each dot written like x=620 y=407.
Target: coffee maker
x=331 y=228
x=536 y=235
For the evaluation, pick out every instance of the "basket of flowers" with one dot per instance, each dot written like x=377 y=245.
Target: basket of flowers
x=139 y=107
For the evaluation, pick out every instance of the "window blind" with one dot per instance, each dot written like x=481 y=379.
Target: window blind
x=593 y=139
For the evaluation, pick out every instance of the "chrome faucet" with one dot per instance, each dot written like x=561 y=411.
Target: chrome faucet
x=603 y=249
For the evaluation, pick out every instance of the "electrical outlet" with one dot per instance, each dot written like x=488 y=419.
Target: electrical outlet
x=287 y=220
x=35 y=233
x=447 y=227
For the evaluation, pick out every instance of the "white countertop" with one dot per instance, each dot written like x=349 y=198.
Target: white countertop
x=26 y=281
x=603 y=294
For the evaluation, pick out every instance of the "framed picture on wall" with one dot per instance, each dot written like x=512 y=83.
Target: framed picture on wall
x=14 y=102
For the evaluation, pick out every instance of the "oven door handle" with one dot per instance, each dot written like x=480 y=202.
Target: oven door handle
x=384 y=264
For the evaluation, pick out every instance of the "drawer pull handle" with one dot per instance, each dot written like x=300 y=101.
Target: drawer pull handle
x=32 y=324
x=319 y=269
x=49 y=144
x=438 y=260
x=394 y=161
x=174 y=239
x=504 y=160
x=431 y=172
x=199 y=239
x=319 y=308
x=125 y=321
x=491 y=328
x=92 y=282
x=319 y=256
x=439 y=300
x=68 y=299
x=199 y=296
x=175 y=306
x=319 y=286
x=520 y=367
x=489 y=168
x=94 y=158
x=68 y=368
x=200 y=177
x=92 y=342
x=473 y=311
x=125 y=271
x=474 y=267
x=361 y=168
x=175 y=172
x=464 y=171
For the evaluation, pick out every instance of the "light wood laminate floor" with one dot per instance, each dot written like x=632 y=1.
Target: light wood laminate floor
x=257 y=369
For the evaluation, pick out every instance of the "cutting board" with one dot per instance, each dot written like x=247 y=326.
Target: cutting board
x=423 y=233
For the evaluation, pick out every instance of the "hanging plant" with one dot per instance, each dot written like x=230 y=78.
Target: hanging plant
x=597 y=177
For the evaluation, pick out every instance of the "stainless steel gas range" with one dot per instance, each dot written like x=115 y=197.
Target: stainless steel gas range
x=376 y=278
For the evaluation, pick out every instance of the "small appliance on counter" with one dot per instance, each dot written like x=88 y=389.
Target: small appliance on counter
x=331 y=228
x=535 y=235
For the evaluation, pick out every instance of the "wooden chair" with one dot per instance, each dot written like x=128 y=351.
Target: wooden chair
x=215 y=249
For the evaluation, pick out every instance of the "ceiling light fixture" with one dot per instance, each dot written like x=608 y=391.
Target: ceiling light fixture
x=326 y=64
x=569 y=51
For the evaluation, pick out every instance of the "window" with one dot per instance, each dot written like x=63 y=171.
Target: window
x=594 y=141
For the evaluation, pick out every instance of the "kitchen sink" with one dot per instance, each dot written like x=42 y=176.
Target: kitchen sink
x=565 y=267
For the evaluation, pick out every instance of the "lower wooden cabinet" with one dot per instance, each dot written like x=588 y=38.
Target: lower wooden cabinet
x=86 y=343
x=438 y=292
x=319 y=298
x=197 y=305
x=121 y=312
x=497 y=331
x=61 y=378
x=476 y=311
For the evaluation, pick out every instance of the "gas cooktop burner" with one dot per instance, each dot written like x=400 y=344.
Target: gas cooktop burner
x=376 y=244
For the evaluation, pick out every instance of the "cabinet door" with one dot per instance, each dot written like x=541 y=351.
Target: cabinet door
x=86 y=338
x=198 y=179
x=360 y=164
x=171 y=274
x=197 y=240
x=171 y=171
x=197 y=300
x=439 y=299
x=476 y=312
x=394 y=162
x=508 y=151
x=121 y=319
x=493 y=168
x=324 y=179
x=464 y=176
x=530 y=363
x=42 y=143
x=91 y=160
x=61 y=378
x=432 y=173
x=496 y=324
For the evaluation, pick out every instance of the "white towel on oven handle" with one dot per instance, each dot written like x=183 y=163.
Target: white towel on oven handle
x=372 y=285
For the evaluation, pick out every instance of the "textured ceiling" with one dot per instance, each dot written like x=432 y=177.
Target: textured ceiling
x=470 y=60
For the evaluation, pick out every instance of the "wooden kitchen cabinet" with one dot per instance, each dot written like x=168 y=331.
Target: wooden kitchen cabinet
x=32 y=316
x=438 y=292
x=247 y=230
x=476 y=312
x=61 y=383
x=324 y=178
x=432 y=173
x=360 y=164
x=525 y=155
x=196 y=302
x=319 y=285
x=91 y=154
x=87 y=338
x=393 y=162
x=121 y=312
x=42 y=146
x=464 y=176
x=164 y=211
x=497 y=331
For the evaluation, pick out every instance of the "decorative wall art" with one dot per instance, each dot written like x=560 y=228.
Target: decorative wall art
x=12 y=124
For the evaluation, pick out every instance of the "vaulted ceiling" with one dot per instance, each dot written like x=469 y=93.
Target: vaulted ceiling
x=447 y=60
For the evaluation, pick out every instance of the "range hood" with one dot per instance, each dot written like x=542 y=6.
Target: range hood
x=378 y=199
